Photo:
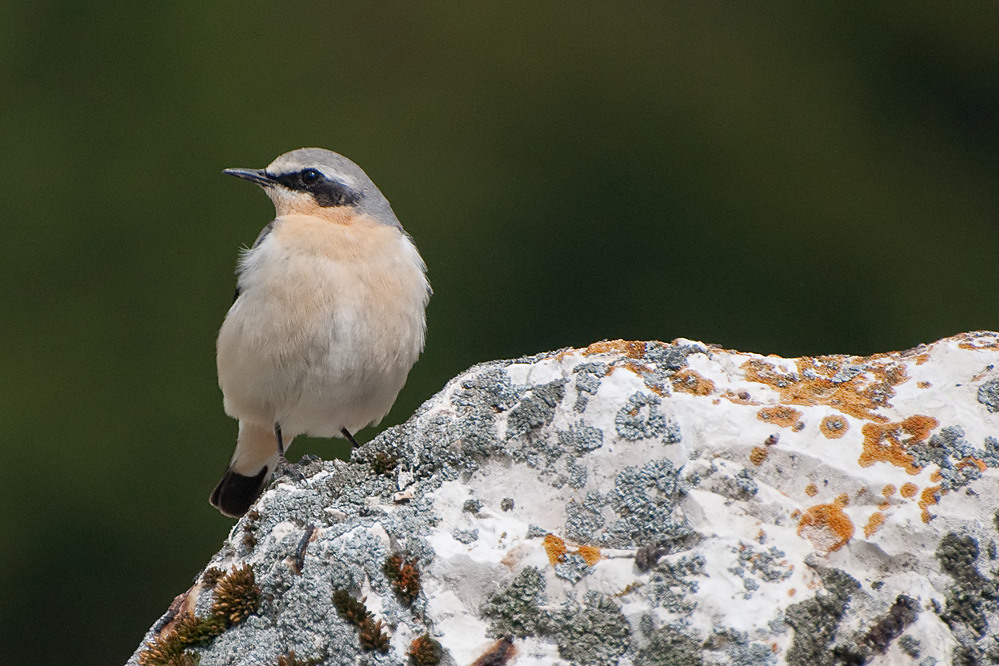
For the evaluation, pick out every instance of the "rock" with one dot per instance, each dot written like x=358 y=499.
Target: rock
x=638 y=503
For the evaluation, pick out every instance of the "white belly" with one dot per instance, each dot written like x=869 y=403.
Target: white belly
x=322 y=339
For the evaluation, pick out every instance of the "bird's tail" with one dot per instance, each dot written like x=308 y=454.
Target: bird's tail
x=252 y=462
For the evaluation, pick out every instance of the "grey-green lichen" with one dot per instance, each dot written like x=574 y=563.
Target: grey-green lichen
x=910 y=645
x=581 y=439
x=572 y=568
x=588 y=376
x=988 y=395
x=640 y=418
x=477 y=402
x=670 y=357
x=948 y=450
x=739 y=486
x=673 y=585
x=594 y=632
x=973 y=595
x=737 y=648
x=465 y=536
x=644 y=498
x=669 y=647
x=536 y=409
x=816 y=621
x=584 y=519
x=577 y=474
x=516 y=610
x=535 y=532
x=762 y=563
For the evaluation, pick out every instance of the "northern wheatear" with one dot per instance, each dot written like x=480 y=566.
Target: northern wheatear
x=328 y=319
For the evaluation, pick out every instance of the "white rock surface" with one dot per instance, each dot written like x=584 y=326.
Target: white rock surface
x=651 y=504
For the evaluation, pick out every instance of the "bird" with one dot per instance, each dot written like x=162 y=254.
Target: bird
x=328 y=317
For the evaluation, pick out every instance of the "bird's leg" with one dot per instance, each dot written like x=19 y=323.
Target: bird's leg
x=285 y=468
x=280 y=443
x=350 y=438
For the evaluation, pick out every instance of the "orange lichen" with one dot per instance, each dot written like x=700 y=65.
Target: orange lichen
x=780 y=415
x=688 y=381
x=888 y=490
x=629 y=348
x=923 y=385
x=935 y=475
x=873 y=523
x=648 y=376
x=928 y=498
x=811 y=490
x=555 y=547
x=908 y=490
x=834 y=427
x=757 y=455
x=826 y=526
x=886 y=442
x=817 y=381
x=978 y=340
x=922 y=358
x=637 y=368
x=591 y=554
x=791 y=592
x=969 y=461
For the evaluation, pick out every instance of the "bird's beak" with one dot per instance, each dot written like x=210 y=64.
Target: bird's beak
x=258 y=176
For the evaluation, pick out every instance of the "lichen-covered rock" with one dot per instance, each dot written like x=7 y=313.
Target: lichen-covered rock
x=642 y=503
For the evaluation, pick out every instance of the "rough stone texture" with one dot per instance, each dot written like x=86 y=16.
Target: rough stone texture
x=650 y=504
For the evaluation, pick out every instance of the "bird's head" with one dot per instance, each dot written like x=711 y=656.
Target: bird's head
x=321 y=183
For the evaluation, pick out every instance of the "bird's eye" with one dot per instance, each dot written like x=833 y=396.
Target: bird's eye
x=309 y=176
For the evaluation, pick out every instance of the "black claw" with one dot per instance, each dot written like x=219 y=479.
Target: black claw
x=288 y=470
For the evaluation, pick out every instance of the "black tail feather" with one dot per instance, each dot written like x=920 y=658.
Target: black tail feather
x=236 y=493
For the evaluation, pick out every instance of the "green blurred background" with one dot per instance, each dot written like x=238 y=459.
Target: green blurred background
x=796 y=178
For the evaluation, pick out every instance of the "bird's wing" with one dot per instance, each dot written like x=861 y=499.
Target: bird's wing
x=260 y=237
